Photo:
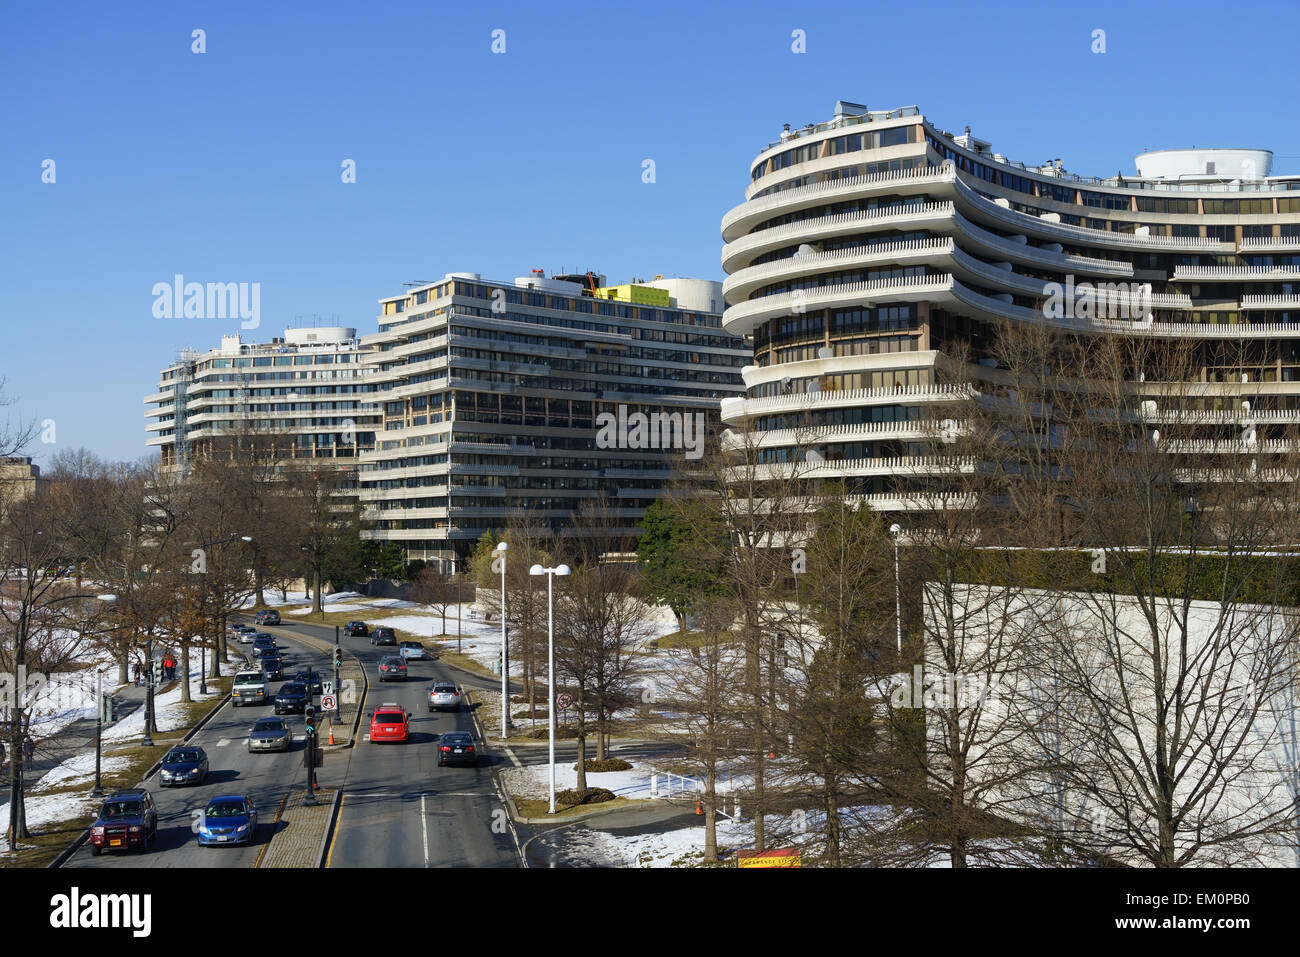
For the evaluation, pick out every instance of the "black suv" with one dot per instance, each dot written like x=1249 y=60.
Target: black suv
x=267 y=616
x=356 y=629
x=383 y=636
x=126 y=819
x=272 y=666
x=292 y=697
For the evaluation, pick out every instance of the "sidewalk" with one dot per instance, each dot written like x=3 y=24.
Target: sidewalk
x=77 y=737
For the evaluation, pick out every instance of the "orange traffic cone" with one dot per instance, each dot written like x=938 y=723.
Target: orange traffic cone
x=331 y=732
x=699 y=807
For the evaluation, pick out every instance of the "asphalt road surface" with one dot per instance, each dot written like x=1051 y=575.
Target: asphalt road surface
x=265 y=777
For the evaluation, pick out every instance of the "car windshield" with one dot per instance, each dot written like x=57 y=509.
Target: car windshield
x=292 y=688
x=253 y=676
x=226 y=809
x=121 y=809
x=411 y=644
x=181 y=757
x=444 y=689
x=456 y=739
x=269 y=724
x=390 y=717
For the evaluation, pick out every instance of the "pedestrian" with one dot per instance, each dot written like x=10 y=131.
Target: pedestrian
x=139 y=671
x=29 y=748
x=2 y=754
x=169 y=668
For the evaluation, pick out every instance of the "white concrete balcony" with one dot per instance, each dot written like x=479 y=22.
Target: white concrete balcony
x=493 y=448
x=474 y=468
x=737 y=287
x=1270 y=301
x=857 y=468
x=971 y=201
x=740 y=220
x=1223 y=416
x=736 y=255
x=1236 y=273
x=832 y=434
x=979 y=305
x=737 y=409
x=1227 y=446
x=743 y=317
x=1271 y=244
x=997 y=247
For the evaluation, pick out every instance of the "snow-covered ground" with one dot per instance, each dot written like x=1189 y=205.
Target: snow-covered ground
x=77 y=770
x=44 y=810
x=170 y=708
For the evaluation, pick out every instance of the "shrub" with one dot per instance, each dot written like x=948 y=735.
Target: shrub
x=574 y=797
x=562 y=731
x=609 y=764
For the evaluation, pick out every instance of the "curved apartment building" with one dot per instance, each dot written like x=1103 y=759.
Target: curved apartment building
x=868 y=245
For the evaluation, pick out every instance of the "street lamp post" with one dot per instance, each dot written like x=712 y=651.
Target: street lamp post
x=502 y=548
x=896 y=532
x=147 y=740
x=98 y=790
x=550 y=574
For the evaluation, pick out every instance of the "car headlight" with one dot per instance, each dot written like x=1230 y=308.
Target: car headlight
x=241 y=829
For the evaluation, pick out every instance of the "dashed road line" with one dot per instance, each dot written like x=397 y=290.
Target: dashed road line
x=424 y=827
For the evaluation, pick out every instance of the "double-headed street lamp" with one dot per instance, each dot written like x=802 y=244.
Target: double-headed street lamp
x=550 y=574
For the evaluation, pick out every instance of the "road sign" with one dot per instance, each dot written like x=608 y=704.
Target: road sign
x=565 y=701
x=328 y=703
x=326 y=687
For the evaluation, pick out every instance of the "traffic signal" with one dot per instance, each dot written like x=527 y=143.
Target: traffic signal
x=338 y=657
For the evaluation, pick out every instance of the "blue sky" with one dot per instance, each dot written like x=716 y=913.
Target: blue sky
x=225 y=166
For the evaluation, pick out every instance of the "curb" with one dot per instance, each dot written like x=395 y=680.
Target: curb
x=328 y=837
x=66 y=854
x=279 y=812
x=577 y=818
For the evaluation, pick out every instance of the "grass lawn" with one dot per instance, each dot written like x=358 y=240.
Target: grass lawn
x=528 y=807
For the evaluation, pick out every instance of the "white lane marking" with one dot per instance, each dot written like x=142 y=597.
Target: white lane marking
x=424 y=826
x=511 y=755
x=223 y=742
x=365 y=737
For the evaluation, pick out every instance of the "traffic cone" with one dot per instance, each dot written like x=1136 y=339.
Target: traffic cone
x=699 y=807
x=331 y=732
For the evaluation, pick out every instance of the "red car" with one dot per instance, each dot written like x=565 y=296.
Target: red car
x=390 y=722
x=126 y=819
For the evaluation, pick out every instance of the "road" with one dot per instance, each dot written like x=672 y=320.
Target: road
x=265 y=777
x=399 y=809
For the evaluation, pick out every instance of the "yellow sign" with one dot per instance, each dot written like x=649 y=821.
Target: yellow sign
x=778 y=857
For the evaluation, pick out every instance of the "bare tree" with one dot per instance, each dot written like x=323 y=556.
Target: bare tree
x=43 y=618
x=1172 y=658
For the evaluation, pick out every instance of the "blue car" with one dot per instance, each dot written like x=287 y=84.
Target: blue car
x=229 y=819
